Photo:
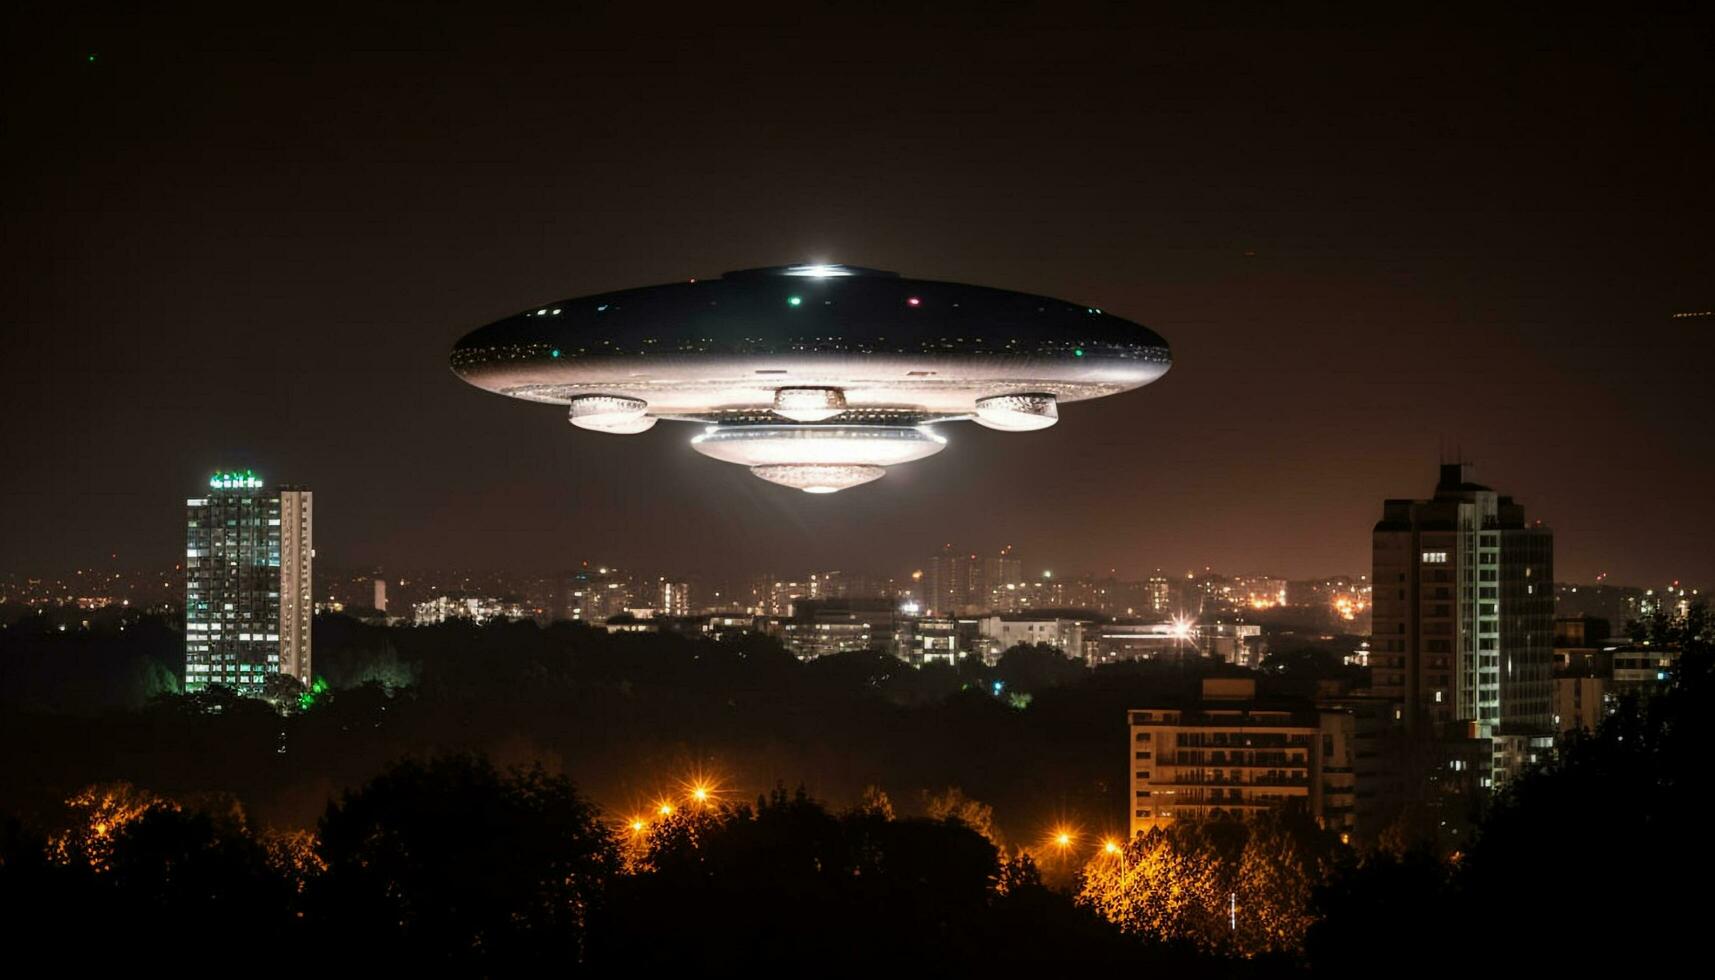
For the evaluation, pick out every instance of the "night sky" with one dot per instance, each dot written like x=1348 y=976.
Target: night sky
x=248 y=236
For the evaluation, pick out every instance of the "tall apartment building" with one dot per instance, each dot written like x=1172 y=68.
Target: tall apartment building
x=1230 y=754
x=673 y=598
x=594 y=595
x=1158 y=595
x=965 y=583
x=947 y=583
x=770 y=596
x=248 y=604
x=1463 y=618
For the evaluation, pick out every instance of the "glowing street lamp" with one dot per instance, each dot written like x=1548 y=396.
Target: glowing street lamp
x=700 y=789
x=1064 y=837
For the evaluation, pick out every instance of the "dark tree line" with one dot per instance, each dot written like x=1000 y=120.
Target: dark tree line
x=454 y=866
x=1034 y=736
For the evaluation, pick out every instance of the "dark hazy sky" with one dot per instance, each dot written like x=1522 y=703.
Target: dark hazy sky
x=247 y=235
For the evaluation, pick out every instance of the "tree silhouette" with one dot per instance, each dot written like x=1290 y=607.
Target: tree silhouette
x=451 y=862
x=1237 y=886
x=1033 y=668
x=1617 y=818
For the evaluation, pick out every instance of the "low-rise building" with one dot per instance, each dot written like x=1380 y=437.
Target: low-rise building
x=1236 y=643
x=820 y=627
x=1230 y=754
x=1002 y=633
x=931 y=640
x=727 y=625
x=476 y=609
x=1643 y=671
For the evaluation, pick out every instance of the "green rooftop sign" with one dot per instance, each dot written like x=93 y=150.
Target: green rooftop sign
x=236 y=479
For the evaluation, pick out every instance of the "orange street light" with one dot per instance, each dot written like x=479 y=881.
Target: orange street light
x=1110 y=847
x=701 y=788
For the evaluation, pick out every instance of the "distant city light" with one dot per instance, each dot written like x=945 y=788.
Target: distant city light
x=1348 y=606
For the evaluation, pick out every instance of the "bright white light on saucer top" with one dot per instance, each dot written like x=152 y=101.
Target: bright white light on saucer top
x=809 y=404
x=818 y=271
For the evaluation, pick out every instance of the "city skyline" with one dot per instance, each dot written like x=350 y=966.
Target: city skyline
x=535 y=563
x=476 y=479
x=1333 y=263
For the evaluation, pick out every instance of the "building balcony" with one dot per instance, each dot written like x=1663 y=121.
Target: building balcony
x=1234 y=785
x=1234 y=760
x=1242 y=742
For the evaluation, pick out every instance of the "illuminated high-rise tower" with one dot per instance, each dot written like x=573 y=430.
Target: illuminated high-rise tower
x=248 y=552
x=1463 y=618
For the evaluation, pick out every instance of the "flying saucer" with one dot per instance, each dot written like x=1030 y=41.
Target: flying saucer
x=817 y=377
